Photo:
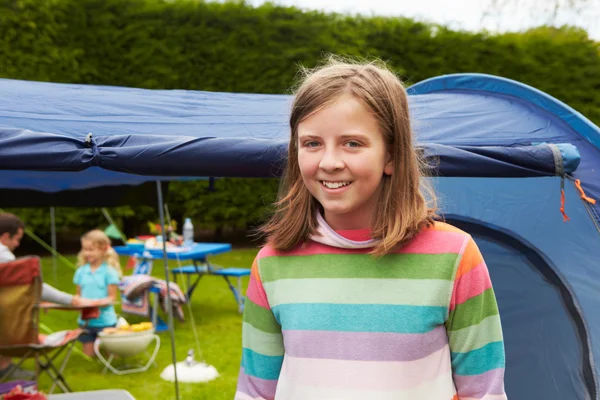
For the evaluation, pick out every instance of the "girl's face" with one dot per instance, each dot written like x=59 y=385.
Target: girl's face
x=92 y=252
x=342 y=157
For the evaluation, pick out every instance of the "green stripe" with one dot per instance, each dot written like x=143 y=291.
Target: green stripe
x=473 y=311
x=424 y=292
x=391 y=266
x=476 y=336
x=268 y=344
x=260 y=318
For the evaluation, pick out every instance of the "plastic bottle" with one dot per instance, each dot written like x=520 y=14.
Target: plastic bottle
x=188 y=232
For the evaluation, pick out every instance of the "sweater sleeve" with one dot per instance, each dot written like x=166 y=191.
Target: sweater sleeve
x=262 y=345
x=474 y=330
x=54 y=295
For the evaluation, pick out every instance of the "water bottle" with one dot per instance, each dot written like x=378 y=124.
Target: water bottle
x=188 y=233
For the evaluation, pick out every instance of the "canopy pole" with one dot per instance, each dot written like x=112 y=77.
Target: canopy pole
x=53 y=243
x=166 y=261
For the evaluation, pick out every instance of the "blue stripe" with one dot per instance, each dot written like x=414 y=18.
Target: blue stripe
x=260 y=366
x=475 y=362
x=359 y=317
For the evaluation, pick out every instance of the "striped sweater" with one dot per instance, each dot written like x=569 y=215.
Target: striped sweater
x=329 y=321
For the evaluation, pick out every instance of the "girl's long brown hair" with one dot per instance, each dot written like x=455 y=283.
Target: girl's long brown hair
x=402 y=209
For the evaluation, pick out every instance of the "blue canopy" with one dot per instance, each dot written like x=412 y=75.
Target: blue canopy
x=174 y=133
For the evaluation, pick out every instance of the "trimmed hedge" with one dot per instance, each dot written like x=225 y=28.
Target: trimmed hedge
x=234 y=47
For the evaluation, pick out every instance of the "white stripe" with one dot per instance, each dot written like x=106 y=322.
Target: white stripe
x=243 y=396
x=441 y=388
x=363 y=376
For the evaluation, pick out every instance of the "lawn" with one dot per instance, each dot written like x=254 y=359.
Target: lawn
x=217 y=321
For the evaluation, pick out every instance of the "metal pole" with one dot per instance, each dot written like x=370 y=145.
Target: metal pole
x=169 y=306
x=53 y=243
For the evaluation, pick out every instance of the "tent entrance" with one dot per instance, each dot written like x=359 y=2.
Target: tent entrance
x=544 y=332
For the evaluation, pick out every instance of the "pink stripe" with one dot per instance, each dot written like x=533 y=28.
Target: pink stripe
x=255 y=387
x=364 y=346
x=256 y=293
x=310 y=248
x=359 y=235
x=470 y=285
x=367 y=375
x=478 y=386
x=435 y=242
x=427 y=242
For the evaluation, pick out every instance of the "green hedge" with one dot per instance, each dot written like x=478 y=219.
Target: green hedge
x=231 y=46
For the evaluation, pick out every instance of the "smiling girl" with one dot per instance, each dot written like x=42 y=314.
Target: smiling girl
x=97 y=278
x=359 y=293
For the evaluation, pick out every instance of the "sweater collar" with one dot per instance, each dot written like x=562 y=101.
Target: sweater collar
x=342 y=239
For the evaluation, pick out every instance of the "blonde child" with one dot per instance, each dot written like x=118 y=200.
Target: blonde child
x=359 y=293
x=97 y=278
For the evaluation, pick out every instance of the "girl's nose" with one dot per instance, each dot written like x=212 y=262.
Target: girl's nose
x=331 y=161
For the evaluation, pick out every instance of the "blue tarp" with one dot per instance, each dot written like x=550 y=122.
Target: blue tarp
x=173 y=133
x=164 y=155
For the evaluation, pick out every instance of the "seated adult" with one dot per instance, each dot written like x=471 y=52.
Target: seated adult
x=11 y=233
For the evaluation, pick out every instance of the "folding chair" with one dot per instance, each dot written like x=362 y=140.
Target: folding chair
x=20 y=290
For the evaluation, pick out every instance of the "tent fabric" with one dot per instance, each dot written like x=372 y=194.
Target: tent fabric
x=533 y=313
x=146 y=133
x=488 y=110
x=507 y=87
x=113 y=195
x=550 y=373
x=187 y=156
x=51 y=182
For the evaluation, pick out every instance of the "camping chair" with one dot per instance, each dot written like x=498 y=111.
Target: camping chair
x=20 y=290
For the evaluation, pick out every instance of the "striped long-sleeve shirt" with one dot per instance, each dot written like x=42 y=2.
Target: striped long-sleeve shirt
x=329 y=321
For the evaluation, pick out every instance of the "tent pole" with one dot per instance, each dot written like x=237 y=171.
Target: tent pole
x=53 y=242
x=169 y=305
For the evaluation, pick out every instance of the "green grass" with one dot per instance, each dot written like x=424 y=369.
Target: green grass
x=217 y=321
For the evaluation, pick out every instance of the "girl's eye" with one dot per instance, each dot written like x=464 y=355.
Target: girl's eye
x=311 y=143
x=353 y=143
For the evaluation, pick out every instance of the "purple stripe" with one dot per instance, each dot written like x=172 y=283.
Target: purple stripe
x=490 y=382
x=255 y=387
x=364 y=346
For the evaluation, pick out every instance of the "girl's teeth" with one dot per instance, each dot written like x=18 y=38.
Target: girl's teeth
x=335 y=185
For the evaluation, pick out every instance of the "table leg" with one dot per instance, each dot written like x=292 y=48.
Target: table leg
x=154 y=309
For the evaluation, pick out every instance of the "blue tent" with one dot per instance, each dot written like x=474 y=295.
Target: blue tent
x=502 y=151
